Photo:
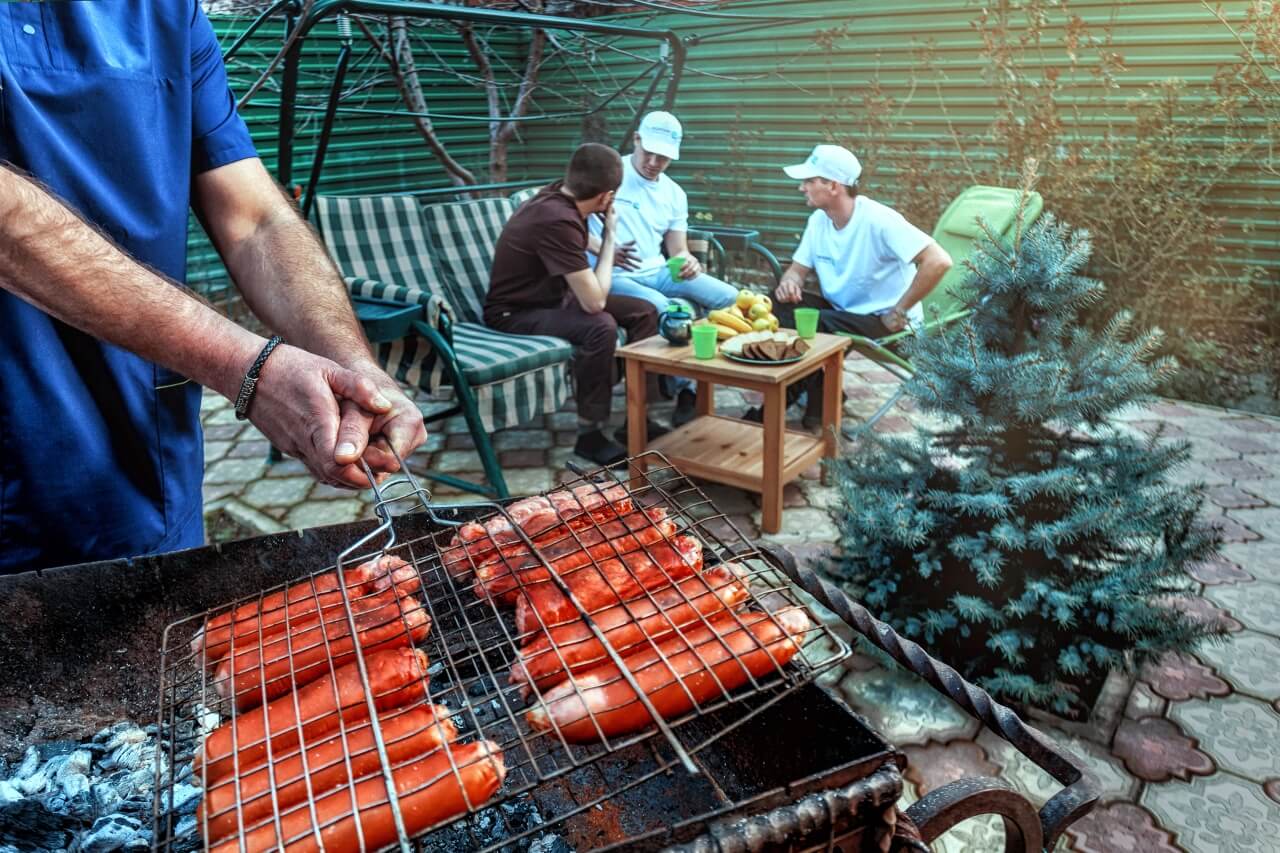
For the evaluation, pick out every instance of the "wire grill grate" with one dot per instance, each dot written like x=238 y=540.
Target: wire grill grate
x=584 y=789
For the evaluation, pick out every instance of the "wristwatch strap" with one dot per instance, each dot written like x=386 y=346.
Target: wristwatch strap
x=250 y=383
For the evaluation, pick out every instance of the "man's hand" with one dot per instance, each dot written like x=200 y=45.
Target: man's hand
x=625 y=257
x=691 y=268
x=401 y=426
x=895 y=319
x=300 y=405
x=789 y=290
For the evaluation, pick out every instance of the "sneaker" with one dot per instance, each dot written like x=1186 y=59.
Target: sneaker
x=597 y=447
x=666 y=386
x=755 y=415
x=685 y=410
x=656 y=430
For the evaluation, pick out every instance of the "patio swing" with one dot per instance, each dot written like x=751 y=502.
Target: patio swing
x=418 y=271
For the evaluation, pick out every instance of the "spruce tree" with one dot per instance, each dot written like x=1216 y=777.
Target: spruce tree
x=1029 y=542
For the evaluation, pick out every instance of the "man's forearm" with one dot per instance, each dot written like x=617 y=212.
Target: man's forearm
x=927 y=276
x=604 y=263
x=288 y=281
x=54 y=260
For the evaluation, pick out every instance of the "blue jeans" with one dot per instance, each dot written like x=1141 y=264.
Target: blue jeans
x=657 y=286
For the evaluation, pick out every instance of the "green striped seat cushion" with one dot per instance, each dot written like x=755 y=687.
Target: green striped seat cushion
x=519 y=197
x=382 y=238
x=463 y=235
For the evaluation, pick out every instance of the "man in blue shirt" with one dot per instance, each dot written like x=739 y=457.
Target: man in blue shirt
x=115 y=118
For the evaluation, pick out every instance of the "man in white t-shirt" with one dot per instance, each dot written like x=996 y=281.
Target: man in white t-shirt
x=873 y=266
x=653 y=215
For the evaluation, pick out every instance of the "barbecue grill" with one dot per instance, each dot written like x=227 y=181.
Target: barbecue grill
x=778 y=764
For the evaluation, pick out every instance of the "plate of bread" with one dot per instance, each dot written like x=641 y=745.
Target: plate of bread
x=767 y=348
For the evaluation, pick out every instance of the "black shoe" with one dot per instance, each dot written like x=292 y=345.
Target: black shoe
x=755 y=415
x=655 y=430
x=685 y=410
x=597 y=447
x=666 y=387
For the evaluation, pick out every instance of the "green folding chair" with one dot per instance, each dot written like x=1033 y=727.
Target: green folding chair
x=958 y=232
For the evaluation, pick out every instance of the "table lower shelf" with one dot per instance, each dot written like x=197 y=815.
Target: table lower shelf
x=730 y=451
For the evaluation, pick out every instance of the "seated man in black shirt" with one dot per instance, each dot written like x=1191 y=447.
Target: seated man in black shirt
x=540 y=284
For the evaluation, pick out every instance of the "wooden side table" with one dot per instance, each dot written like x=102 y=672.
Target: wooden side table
x=758 y=457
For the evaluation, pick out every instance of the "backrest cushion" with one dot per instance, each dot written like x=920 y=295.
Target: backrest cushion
x=463 y=235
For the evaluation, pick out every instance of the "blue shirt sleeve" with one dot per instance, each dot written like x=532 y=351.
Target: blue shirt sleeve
x=218 y=133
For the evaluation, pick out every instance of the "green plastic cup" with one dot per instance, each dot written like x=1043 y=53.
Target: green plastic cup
x=806 y=322
x=674 y=265
x=704 y=341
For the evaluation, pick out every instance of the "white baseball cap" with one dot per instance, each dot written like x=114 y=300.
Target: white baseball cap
x=660 y=133
x=828 y=161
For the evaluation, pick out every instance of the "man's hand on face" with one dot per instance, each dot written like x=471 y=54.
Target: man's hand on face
x=625 y=256
x=610 y=215
x=309 y=407
x=789 y=290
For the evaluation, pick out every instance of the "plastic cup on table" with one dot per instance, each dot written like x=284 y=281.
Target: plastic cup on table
x=674 y=265
x=704 y=341
x=806 y=322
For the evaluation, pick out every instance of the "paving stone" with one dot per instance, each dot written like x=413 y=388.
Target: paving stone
x=210 y=401
x=287 y=467
x=1272 y=789
x=454 y=425
x=1144 y=702
x=933 y=765
x=317 y=514
x=1268 y=490
x=562 y=421
x=522 y=439
x=1218 y=570
x=1264 y=521
x=223 y=432
x=1239 y=732
x=905 y=709
x=566 y=439
x=215 y=450
x=1233 y=497
x=1156 y=750
x=1232 y=530
x=1173 y=410
x=1203 y=610
x=221 y=417
x=1253 y=425
x=1250 y=661
x=1169 y=430
x=1180 y=677
x=234 y=471
x=726 y=499
x=1120 y=828
x=1256 y=605
x=792 y=496
x=1219 y=813
x=1196 y=474
x=1246 y=444
x=522 y=459
x=1259 y=558
x=1115 y=783
x=460 y=441
x=985 y=833
x=893 y=425
x=802 y=525
x=529 y=481
x=457 y=461
x=217 y=492
x=277 y=492
x=1240 y=469
x=255 y=449
x=325 y=492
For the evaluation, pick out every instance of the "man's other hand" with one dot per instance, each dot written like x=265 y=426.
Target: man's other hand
x=625 y=256
x=309 y=407
x=401 y=426
x=789 y=290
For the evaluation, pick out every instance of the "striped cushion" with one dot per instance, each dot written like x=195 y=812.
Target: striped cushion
x=463 y=237
x=381 y=238
x=519 y=197
x=371 y=289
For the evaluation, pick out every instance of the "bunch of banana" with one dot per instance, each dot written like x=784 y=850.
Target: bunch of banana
x=750 y=312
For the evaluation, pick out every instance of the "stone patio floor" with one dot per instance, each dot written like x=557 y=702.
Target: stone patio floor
x=1188 y=753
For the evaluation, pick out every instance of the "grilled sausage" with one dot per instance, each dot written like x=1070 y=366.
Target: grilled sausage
x=396 y=676
x=406 y=733
x=608 y=582
x=545 y=658
x=300 y=657
x=305 y=598
x=536 y=516
x=733 y=653
x=429 y=793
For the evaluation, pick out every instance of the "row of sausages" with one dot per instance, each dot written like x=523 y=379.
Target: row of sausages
x=298 y=766
x=681 y=629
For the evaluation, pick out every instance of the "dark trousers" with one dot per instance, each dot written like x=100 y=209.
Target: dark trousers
x=594 y=338
x=830 y=319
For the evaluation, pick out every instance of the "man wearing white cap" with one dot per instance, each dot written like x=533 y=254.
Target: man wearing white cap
x=873 y=265
x=653 y=214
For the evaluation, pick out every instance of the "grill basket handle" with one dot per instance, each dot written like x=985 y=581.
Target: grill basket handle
x=950 y=804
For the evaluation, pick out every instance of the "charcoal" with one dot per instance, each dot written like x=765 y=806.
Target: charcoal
x=57 y=748
x=185 y=798
x=550 y=844
x=30 y=763
x=110 y=833
x=28 y=824
x=8 y=793
x=105 y=797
